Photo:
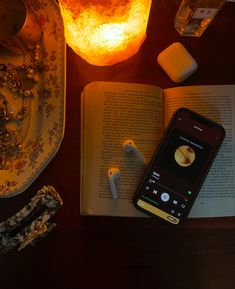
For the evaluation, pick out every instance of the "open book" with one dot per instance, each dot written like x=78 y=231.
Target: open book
x=115 y=112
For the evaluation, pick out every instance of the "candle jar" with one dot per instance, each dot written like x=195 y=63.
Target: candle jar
x=19 y=29
x=105 y=32
x=194 y=16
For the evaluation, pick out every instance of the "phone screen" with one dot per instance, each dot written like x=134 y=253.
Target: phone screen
x=179 y=166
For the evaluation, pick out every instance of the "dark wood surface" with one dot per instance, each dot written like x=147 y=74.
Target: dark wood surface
x=105 y=252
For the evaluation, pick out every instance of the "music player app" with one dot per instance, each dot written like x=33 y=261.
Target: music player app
x=179 y=165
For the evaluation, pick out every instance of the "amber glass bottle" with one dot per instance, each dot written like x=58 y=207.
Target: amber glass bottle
x=194 y=16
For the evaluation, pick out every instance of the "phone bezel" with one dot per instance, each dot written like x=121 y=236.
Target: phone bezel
x=156 y=155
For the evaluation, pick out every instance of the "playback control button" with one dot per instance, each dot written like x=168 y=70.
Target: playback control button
x=165 y=197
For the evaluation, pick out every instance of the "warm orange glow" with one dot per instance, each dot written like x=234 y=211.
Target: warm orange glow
x=105 y=32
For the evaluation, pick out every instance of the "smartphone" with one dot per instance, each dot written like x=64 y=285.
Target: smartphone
x=179 y=166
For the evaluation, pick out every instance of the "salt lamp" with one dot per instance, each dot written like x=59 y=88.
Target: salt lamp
x=105 y=32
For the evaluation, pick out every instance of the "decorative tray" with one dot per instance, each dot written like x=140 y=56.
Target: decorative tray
x=43 y=121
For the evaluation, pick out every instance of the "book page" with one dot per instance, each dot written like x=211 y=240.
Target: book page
x=114 y=113
x=217 y=195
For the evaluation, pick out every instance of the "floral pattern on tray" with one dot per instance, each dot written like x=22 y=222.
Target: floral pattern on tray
x=44 y=129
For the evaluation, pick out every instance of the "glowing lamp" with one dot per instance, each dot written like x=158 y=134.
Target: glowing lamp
x=105 y=32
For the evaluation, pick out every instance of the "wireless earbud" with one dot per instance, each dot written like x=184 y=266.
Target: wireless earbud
x=113 y=174
x=129 y=146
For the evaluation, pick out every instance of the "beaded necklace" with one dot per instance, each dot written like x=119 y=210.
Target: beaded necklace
x=19 y=81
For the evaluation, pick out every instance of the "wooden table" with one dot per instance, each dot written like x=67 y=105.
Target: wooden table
x=105 y=252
